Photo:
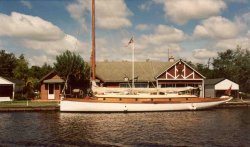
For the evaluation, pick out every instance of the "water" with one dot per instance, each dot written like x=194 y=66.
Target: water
x=218 y=127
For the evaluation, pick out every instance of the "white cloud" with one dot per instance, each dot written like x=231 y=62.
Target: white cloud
x=26 y=4
x=28 y=27
x=163 y=34
x=35 y=33
x=181 y=11
x=243 y=42
x=204 y=53
x=248 y=34
x=112 y=15
x=143 y=27
x=109 y=15
x=159 y=52
x=40 y=60
x=55 y=47
x=246 y=18
x=78 y=10
x=155 y=46
x=218 y=27
x=145 y=6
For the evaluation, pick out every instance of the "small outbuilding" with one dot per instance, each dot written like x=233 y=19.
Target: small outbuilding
x=7 y=89
x=217 y=87
x=51 y=86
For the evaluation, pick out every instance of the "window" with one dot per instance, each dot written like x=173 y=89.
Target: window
x=141 y=85
x=124 y=85
x=137 y=85
x=51 y=88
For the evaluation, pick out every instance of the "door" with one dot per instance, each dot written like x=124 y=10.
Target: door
x=51 y=91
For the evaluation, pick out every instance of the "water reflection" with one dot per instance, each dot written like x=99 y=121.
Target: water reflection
x=221 y=127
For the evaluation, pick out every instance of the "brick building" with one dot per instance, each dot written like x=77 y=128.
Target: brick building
x=149 y=74
x=51 y=86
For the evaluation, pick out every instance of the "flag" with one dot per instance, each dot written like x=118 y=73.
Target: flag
x=228 y=91
x=131 y=41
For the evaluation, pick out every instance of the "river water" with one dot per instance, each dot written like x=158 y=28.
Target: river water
x=217 y=127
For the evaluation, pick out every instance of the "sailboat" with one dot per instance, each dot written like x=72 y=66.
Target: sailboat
x=133 y=99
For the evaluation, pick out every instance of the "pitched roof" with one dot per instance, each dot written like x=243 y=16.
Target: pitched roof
x=48 y=74
x=173 y=63
x=17 y=82
x=4 y=81
x=51 y=73
x=116 y=71
x=213 y=81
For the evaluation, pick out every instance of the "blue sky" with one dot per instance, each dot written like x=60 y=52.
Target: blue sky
x=193 y=30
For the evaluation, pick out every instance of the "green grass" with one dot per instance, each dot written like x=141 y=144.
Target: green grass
x=24 y=103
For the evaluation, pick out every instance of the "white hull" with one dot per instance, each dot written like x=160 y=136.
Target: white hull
x=85 y=106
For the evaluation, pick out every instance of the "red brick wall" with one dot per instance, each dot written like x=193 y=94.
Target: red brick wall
x=44 y=92
x=44 y=88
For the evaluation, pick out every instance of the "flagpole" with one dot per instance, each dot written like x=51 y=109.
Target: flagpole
x=93 y=62
x=133 y=65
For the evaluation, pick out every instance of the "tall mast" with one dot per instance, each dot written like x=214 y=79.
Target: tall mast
x=133 y=63
x=93 y=62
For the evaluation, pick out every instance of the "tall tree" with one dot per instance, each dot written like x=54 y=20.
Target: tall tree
x=36 y=73
x=21 y=71
x=242 y=69
x=234 y=65
x=45 y=69
x=224 y=64
x=7 y=64
x=69 y=65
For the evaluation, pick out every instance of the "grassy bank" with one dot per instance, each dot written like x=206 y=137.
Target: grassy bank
x=24 y=103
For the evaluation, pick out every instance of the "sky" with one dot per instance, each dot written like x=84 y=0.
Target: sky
x=193 y=30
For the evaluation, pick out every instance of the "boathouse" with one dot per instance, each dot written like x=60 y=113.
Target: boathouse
x=7 y=89
x=217 y=87
x=51 y=86
x=149 y=74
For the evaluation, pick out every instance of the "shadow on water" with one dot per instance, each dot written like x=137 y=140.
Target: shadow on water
x=219 y=127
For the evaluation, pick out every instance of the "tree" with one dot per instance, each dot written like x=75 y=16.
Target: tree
x=45 y=69
x=70 y=66
x=28 y=91
x=21 y=71
x=36 y=73
x=224 y=64
x=234 y=65
x=7 y=64
x=242 y=69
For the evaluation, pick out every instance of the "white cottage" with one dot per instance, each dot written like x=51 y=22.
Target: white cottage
x=217 y=87
x=7 y=89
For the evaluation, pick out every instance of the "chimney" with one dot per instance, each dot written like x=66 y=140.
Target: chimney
x=171 y=59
